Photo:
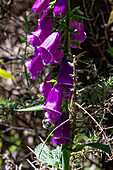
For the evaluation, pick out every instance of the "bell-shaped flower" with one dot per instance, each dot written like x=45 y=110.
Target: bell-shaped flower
x=39 y=6
x=43 y=31
x=49 y=46
x=60 y=8
x=46 y=86
x=65 y=81
x=62 y=133
x=35 y=66
x=53 y=105
x=80 y=29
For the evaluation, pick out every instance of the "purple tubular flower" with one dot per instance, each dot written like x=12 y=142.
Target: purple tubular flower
x=62 y=133
x=65 y=81
x=80 y=29
x=43 y=31
x=39 y=6
x=60 y=8
x=46 y=86
x=53 y=105
x=35 y=66
x=49 y=46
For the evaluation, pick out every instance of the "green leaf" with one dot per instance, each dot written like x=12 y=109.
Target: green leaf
x=76 y=42
x=4 y=74
x=79 y=148
x=44 y=155
x=101 y=146
x=79 y=18
x=52 y=158
x=34 y=108
x=97 y=145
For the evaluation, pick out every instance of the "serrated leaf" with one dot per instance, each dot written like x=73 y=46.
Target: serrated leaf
x=48 y=157
x=4 y=74
x=44 y=155
x=34 y=108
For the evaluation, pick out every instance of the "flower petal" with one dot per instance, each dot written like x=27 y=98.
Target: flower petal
x=80 y=29
x=62 y=133
x=35 y=66
x=53 y=104
x=39 y=6
x=49 y=46
x=60 y=8
x=46 y=86
x=65 y=81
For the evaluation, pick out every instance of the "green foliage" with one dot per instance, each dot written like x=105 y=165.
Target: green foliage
x=110 y=50
x=46 y=156
x=4 y=74
x=76 y=14
x=97 y=145
x=7 y=107
x=34 y=108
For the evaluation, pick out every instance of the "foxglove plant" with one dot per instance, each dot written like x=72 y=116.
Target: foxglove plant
x=46 y=40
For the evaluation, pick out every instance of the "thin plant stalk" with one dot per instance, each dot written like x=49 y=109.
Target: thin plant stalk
x=65 y=154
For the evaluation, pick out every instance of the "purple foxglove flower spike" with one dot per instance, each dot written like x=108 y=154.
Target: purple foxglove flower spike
x=60 y=8
x=39 y=6
x=65 y=81
x=80 y=29
x=49 y=46
x=62 y=134
x=53 y=105
x=46 y=86
x=35 y=66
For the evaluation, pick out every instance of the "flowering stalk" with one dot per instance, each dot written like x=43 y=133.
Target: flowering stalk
x=65 y=158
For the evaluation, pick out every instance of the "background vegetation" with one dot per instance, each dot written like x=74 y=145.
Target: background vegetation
x=94 y=70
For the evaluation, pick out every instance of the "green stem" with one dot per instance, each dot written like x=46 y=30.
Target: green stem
x=65 y=154
x=67 y=34
x=65 y=160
